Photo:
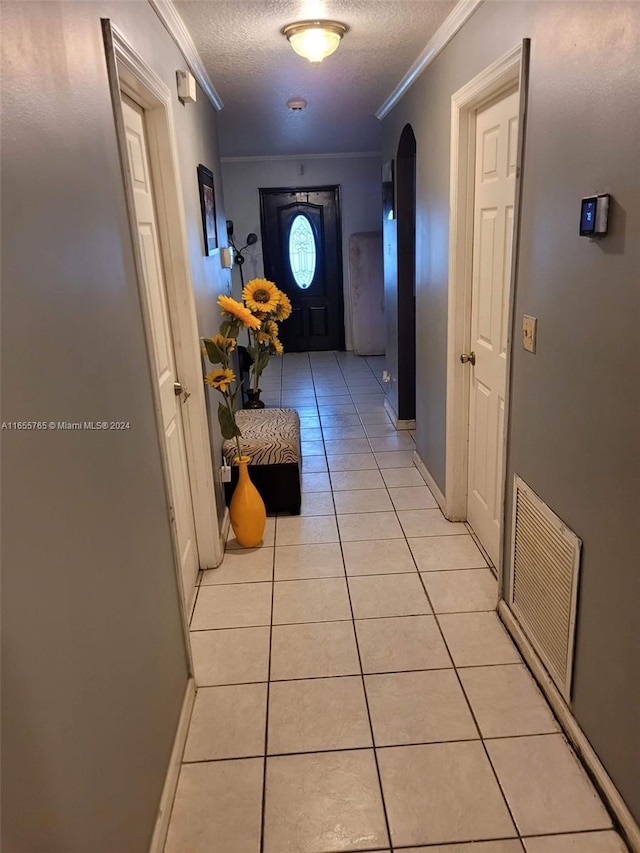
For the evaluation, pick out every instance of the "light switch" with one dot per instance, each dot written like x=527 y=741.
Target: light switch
x=529 y=332
x=226 y=257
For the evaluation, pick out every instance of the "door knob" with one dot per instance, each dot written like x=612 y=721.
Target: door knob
x=178 y=389
x=468 y=357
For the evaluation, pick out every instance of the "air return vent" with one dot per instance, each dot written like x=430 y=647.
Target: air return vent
x=545 y=560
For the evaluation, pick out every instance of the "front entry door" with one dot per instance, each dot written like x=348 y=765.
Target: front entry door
x=155 y=296
x=301 y=245
x=495 y=175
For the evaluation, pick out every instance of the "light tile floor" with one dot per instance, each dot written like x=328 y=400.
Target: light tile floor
x=357 y=691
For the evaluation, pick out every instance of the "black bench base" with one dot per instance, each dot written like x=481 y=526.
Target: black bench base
x=279 y=486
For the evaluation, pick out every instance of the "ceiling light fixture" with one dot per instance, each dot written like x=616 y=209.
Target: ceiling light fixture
x=315 y=40
x=296 y=104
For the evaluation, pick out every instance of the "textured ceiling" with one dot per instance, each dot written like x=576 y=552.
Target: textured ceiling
x=255 y=71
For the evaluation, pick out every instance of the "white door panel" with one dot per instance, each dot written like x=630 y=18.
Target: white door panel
x=495 y=170
x=154 y=287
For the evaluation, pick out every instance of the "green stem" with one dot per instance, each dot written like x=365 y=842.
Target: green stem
x=231 y=412
x=256 y=348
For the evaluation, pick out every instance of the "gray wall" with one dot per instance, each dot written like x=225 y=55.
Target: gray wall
x=360 y=198
x=93 y=660
x=574 y=405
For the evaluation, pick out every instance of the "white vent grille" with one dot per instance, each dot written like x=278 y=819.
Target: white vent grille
x=545 y=560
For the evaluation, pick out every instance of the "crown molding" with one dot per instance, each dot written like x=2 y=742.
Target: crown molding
x=257 y=158
x=441 y=38
x=174 y=24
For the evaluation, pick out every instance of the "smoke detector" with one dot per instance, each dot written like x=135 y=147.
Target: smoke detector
x=296 y=104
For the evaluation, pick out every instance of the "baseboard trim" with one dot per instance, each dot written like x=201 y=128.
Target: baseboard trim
x=224 y=530
x=601 y=779
x=398 y=424
x=173 y=771
x=433 y=486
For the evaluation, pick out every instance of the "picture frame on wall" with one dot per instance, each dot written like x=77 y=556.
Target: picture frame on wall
x=208 y=207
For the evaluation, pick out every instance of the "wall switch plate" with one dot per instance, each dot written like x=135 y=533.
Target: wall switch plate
x=226 y=257
x=529 y=325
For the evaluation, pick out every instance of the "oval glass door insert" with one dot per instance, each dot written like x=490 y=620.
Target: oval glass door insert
x=302 y=251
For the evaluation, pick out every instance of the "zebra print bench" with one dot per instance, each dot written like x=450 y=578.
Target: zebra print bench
x=271 y=437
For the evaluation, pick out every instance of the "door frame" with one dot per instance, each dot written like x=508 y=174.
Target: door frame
x=130 y=74
x=405 y=215
x=505 y=73
x=335 y=188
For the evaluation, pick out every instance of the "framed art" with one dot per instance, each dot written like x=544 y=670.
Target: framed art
x=208 y=207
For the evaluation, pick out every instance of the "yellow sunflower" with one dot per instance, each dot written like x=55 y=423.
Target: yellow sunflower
x=224 y=344
x=238 y=310
x=220 y=379
x=283 y=309
x=261 y=295
x=277 y=346
x=263 y=337
x=271 y=328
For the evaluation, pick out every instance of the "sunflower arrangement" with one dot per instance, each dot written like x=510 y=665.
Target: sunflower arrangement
x=235 y=316
x=268 y=306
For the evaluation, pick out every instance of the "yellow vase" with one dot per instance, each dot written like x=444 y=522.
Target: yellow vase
x=247 y=511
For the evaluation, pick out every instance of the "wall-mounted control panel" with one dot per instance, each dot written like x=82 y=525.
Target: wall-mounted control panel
x=594 y=215
x=187 y=92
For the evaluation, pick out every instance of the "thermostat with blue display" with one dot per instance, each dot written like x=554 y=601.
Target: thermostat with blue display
x=594 y=215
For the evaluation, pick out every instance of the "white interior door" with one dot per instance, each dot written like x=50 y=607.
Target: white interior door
x=154 y=286
x=495 y=175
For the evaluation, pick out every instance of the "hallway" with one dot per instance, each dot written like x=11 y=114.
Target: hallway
x=359 y=651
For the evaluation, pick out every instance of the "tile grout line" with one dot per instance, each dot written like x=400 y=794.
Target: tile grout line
x=364 y=689
x=266 y=721
x=377 y=672
x=363 y=681
x=471 y=711
x=354 y=748
x=360 y=575
x=435 y=615
x=386 y=487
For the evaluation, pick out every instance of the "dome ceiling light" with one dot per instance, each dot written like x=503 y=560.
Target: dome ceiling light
x=296 y=104
x=315 y=40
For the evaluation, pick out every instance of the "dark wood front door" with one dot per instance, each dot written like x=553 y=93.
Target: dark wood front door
x=302 y=250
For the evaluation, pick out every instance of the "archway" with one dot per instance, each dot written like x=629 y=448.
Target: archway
x=406 y=216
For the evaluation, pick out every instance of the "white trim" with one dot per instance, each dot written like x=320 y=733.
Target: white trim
x=174 y=24
x=497 y=78
x=572 y=729
x=113 y=70
x=428 y=477
x=173 y=771
x=138 y=80
x=258 y=158
x=441 y=38
x=224 y=529
x=127 y=56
